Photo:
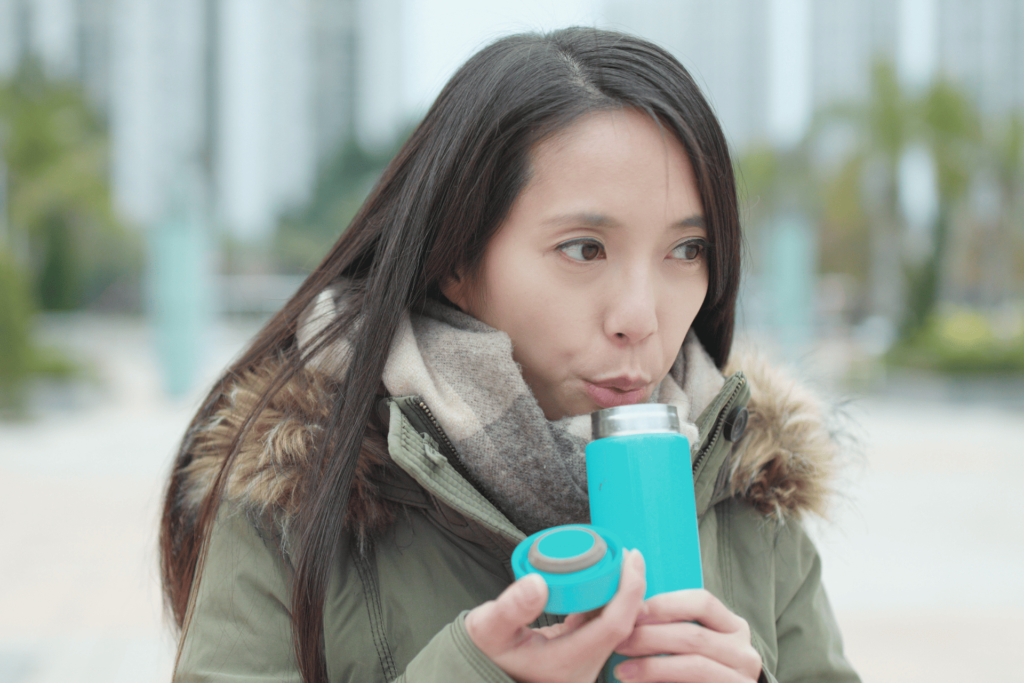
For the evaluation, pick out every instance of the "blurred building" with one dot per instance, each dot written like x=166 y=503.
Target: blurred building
x=71 y=38
x=230 y=105
x=379 y=111
x=743 y=52
x=161 y=109
x=846 y=38
x=335 y=36
x=978 y=44
x=723 y=44
x=981 y=46
x=247 y=99
x=264 y=159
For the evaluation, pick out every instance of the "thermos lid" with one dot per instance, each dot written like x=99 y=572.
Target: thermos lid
x=566 y=549
x=640 y=418
x=580 y=564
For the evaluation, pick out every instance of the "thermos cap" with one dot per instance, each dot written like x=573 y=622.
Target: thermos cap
x=640 y=418
x=566 y=549
x=580 y=564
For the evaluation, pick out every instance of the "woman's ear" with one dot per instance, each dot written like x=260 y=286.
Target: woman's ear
x=455 y=290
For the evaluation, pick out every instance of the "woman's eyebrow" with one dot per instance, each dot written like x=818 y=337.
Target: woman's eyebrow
x=584 y=219
x=694 y=221
x=597 y=220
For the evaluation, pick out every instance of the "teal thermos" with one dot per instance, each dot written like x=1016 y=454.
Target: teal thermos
x=640 y=482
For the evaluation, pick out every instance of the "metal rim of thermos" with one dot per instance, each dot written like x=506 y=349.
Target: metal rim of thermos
x=640 y=418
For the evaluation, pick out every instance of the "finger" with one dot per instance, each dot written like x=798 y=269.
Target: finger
x=574 y=621
x=498 y=624
x=571 y=623
x=616 y=620
x=554 y=630
x=693 y=605
x=688 y=668
x=684 y=638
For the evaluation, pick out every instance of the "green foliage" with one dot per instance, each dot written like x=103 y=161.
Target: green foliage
x=845 y=223
x=71 y=245
x=923 y=281
x=16 y=350
x=845 y=176
x=55 y=151
x=758 y=173
x=20 y=358
x=960 y=341
x=58 y=273
x=771 y=180
x=953 y=132
x=863 y=197
x=1005 y=151
x=890 y=117
x=304 y=236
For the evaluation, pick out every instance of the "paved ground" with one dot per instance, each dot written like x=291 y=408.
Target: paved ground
x=923 y=559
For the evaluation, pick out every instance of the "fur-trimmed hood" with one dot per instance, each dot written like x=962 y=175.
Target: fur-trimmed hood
x=783 y=465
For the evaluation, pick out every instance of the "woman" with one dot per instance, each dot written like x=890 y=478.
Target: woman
x=559 y=234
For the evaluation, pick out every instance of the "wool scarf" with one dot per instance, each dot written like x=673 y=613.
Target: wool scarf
x=533 y=468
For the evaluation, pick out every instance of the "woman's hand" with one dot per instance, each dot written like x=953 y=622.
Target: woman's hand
x=572 y=651
x=715 y=649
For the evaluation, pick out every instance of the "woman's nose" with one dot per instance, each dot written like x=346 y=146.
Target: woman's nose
x=632 y=314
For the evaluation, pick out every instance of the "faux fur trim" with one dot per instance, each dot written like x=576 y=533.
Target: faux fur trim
x=783 y=466
x=276 y=463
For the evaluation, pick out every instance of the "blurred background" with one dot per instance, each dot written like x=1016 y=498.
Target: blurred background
x=171 y=169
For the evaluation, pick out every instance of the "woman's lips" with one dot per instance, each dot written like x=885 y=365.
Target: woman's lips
x=609 y=397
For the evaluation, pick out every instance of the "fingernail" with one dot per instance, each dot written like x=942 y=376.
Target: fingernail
x=532 y=587
x=626 y=670
x=638 y=561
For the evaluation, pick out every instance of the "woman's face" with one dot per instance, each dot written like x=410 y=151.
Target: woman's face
x=600 y=268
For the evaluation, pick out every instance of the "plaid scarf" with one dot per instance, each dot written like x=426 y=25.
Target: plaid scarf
x=533 y=468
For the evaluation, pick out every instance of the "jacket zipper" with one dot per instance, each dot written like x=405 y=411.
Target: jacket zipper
x=449 y=452
x=719 y=425
x=451 y=455
x=439 y=434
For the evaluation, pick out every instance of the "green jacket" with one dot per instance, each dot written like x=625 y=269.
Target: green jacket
x=424 y=545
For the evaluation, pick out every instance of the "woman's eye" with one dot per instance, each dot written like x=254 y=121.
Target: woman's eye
x=690 y=250
x=583 y=250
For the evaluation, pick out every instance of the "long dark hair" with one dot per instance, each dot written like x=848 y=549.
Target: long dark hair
x=429 y=217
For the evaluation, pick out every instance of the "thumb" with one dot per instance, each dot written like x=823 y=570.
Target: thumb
x=496 y=625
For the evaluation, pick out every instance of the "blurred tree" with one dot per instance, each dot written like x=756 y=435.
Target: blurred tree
x=304 y=236
x=59 y=275
x=903 y=289
x=62 y=245
x=772 y=181
x=846 y=227
x=884 y=124
x=952 y=133
x=16 y=349
x=59 y=200
x=1004 y=155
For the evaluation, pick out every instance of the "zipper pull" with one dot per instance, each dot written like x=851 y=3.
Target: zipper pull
x=433 y=454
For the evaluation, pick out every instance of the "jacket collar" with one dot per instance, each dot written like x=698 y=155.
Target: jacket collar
x=782 y=465
x=419 y=455
x=418 y=447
